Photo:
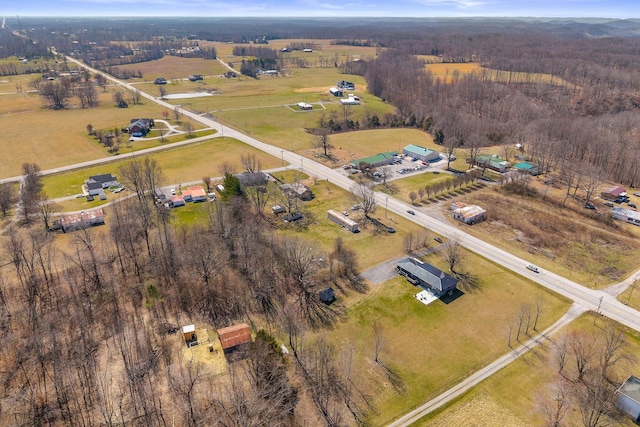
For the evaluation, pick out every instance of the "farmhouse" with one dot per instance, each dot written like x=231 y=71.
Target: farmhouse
x=96 y=184
x=468 y=214
x=336 y=91
x=492 y=162
x=305 y=106
x=235 y=339
x=381 y=159
x=427 y=276
x=343 y=221
x=420 y=153
x=613 y=193
x=629 y=398
x=140 y=127
x=194 y=194
x=84 y=219
x=526 y=167
x=297 y=190
x=629 y=215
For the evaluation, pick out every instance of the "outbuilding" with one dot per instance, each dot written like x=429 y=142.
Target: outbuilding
x=468 y=214
x=235 y=339
x=613 y=193
x=380 y=159
x=629 y=398
x=327 y=295
x=84 y=219
x=189 y=334
x=526 y=167
x=336 y=91
x=420 y=153
x=628 y=215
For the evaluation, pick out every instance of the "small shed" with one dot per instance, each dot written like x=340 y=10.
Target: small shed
x=343 y=221
x=235 y=338
x=327 y=295
x=526 y=167
x=629 y=398
x=336 y=91
x=189 y=334
x=468 y=214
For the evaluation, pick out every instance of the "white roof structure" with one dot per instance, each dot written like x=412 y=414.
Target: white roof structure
x=189 y=328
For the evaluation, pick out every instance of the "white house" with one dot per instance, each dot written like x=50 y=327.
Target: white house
x=629 y=398
x=351 y=99
x=343 y=221
x=628 y=215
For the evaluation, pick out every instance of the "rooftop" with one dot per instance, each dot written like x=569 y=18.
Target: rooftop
x=631 y=388
x=418 y=149
x=429 y=274
x=234 y=335
x=380 y=157
x=629 y=213
x=82 y=216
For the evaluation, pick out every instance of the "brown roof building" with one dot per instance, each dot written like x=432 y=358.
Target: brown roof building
x=234 y=337
x=82 y=220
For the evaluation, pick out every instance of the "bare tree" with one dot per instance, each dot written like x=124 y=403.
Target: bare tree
x=7 y=197
x=250 y=163
x=453 y=254
x=31 y=187
x=363 y=195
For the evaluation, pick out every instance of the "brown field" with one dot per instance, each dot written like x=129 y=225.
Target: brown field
x=445 y=71
x=174 y=67
x=564 y=240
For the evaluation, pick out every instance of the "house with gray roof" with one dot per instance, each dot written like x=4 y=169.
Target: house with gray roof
x=427 y=276
x=629 y=398
x=420 y=153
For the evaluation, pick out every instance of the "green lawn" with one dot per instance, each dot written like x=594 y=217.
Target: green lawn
x=433 y=347
x=182 y=164
x=509 y=397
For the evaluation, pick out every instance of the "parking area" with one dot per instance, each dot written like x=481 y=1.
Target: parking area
x=402 y=166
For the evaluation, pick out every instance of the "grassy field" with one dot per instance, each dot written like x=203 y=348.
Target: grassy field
x=51 y=139
x=446 y=71
x=433 y=347
x=175 y=68
x=508 y=398
x=182 y=164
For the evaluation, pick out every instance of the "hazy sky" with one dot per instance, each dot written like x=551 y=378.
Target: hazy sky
x=323 y=8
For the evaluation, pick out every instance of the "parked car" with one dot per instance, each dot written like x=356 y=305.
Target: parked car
x=345 y=213
x=437 y=239
x=391 y=230
x=220 y=187
x=173 y=191
x=160 y=81
x=589 y=206
x=608 y=204
x=533 y=268
x=636 y=194
x=410 y=212
x=632 y=205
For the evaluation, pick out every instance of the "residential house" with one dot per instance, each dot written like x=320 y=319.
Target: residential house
x=297 y=190
x=140 y=127
x=381 y=159
x=420 y=153
x=252 y=179
x=235 y=340
x=493 y=162
x=84 y=219
x=613 y=193
x=468 y=214
x=343 y=221
x=176 y=201
x=336 y=92
x=629 y=215
x=96 y=184
x=351 y=99
x=629 y=398
x=526 y=167
x=427 y=276
x=194 y=194
x=345 y=85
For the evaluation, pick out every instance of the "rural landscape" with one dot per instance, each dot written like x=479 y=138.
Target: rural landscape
x=319 y=222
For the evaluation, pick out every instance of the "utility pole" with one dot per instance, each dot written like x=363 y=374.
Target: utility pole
x=597 y=311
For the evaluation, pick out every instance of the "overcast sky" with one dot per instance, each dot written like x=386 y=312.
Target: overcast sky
x=324 y=8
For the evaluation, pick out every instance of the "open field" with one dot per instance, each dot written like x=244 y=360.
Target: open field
x=446 y=71
x=181 y=164
x=508 y=398
x=433 y=347
x=564 y=240
x=174 y=68
x=50 y=138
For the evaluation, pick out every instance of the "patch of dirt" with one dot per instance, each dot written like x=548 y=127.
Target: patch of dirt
x=320 y=89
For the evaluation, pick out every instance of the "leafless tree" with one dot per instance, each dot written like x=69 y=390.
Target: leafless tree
x=31 y=187
x=364 y=195
x=7 y=197
x=227 y=167
x=177 y=114
x=162 y=91
x=554 y=403
x=453 y=254
x=250 y=163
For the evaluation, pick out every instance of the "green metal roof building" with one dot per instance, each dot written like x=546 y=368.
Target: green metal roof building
x=380 y=159
x=527 y=167
x=420 y=153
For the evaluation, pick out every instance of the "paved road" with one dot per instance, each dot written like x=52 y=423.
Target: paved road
x=584 y=298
